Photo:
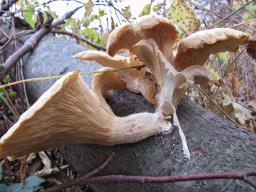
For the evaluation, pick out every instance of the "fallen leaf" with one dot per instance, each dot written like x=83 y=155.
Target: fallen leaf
x=88 y=7
x=251 y=48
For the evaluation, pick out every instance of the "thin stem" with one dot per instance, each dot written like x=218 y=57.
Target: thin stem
x=79 y=181
x=33 y=40
x=79 y=38
x=231 y=14
x=233 y=61
x=207 y=10
x=242 y=23
x=59 y=76
x=9 y=104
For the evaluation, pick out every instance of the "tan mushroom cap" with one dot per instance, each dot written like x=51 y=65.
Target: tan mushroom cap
x=196 y=48
x=102 y=58
x=158 y=28
x=68 y=113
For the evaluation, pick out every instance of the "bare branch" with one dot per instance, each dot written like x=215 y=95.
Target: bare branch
x=80 y=180
x=231 y=14
x=242 y=175
x=33 y=40
x=81 y=38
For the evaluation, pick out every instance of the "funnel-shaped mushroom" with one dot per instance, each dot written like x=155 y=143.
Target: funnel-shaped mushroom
x=69 y=112
x=196 y=48
x=135 y=80
x=158 y=28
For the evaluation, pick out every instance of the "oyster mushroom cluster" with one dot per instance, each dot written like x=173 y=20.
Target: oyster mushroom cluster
x=69 y=112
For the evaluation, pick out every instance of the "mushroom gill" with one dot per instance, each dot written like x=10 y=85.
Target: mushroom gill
x=136 y=80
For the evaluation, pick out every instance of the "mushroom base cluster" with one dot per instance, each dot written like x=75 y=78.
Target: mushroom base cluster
x=69 y=112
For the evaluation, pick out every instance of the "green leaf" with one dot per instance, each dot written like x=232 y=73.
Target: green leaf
x=29 y=17
x=101 y=12
x=29 y=13
x=183 y=15
x=223 y=56
x=92 y=34
x=146 y=10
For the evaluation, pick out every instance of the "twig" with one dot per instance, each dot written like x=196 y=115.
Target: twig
x=207 y=10
x=8 y=40
x=33 y=40
x=242 y=23
x=7 y=6
x=9 y=104
x=80 y=180
x=59 y=76
x=111 y=5
x=23 y=84
x=81 y=38
x=233 y=61
x=231 y=14
x=242 y=175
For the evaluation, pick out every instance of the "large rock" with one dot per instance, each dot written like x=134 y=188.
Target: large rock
x=215 y=144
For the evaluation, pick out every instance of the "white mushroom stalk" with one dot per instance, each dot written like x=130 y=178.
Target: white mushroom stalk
x=69 y=112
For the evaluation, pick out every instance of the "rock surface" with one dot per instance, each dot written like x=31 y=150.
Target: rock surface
x=215 y=144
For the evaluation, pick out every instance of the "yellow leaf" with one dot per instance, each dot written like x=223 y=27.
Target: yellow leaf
x=183 y=15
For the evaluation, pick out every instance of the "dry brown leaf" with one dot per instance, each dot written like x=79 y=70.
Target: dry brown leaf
x=234 y=83
x=88 y=7
x=251 y=48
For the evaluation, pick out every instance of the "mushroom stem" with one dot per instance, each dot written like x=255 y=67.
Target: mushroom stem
x=68 y=113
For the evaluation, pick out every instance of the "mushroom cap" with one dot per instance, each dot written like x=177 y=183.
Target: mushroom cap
x=158 y=28
x=103 y=58
x=196 y=48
